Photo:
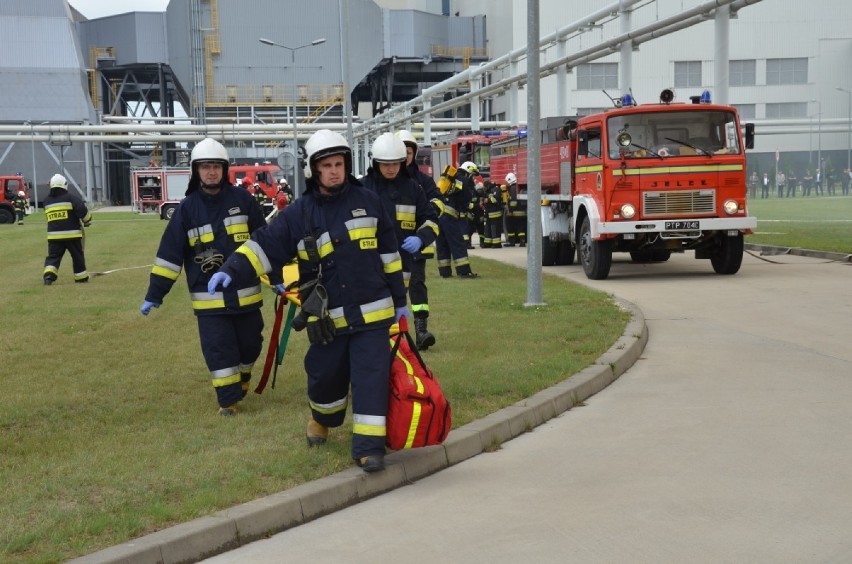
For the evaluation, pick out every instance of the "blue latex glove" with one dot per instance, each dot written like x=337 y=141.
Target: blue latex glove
x=412 y=244
x=399 y=313
x=146 y=307
x=218 y=279
x=279 y=289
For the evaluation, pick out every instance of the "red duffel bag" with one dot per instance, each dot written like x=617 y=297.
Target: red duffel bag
x=418 y=413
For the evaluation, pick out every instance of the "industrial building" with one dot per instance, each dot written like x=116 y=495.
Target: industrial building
x=784 y=64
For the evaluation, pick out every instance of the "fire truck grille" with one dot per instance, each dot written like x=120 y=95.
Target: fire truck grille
x=679 y=202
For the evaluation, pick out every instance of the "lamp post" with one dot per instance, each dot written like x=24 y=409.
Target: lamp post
x=849 y=117
x=819 y=142
x=296 y=188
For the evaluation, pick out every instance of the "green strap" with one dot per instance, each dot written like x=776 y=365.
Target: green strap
x=282 y=342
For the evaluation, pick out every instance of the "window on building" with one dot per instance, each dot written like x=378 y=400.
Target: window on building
x=746 y=111
x=687 y=74
x=787 y=110
x=595 y=76
x=742 y=73
x=787 y=71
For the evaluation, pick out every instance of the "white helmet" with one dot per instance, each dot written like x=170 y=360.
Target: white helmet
x=58 y=181
x=408 y=138
x=388 y=148
x=469 y=167
x=21 y=194
x=511 y=178
x=282 y=181
x=207 y=150
x=325 y=143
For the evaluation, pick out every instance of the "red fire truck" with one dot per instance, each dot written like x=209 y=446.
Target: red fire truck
x=648 y=179
x=161 y=189
x=9 y=188
x=468 y=146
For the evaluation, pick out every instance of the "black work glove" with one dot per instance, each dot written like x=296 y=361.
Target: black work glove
x=314 y=316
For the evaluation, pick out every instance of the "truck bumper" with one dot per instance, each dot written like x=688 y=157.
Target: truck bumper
x=674 y=226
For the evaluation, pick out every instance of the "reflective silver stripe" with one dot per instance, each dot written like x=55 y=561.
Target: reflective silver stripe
x=336 y=312
x=257 y=251
x=330 y=406
x=362 y=222
x=64 y=233
x=235 y=219
x=224 y=372
x=429 y=224
x=406 y=213
x=322 y=240
x=246 y=367
x=383 y=303
x=389 y=258
x=167 y=265
x=199 y=232
x=206 y=297
x=374 y=420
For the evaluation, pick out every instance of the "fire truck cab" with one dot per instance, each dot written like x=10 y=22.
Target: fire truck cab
x=648 y=180
x=9 y=188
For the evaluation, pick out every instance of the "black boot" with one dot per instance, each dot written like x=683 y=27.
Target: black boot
x=423 y=338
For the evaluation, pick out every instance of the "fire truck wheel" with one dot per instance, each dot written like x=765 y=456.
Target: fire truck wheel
x=595 y=256
x=6 y=216
x=727 y=257
x=168 y=212
x=565 y=253
x=548 y=252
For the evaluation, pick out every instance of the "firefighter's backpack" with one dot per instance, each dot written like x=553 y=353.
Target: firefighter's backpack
x=418 y=413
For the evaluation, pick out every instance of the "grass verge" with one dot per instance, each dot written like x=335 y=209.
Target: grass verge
x=108 y=428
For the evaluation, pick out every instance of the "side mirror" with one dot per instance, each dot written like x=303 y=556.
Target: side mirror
x=749 y=136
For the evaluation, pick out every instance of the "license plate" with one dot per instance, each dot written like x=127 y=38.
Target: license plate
x=681 y=225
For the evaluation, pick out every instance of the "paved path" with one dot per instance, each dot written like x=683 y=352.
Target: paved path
x=728 y=441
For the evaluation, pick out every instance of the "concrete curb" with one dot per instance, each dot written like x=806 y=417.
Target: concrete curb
x=228 y=529
x=774 y=250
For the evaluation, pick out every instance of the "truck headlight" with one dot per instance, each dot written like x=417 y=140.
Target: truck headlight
x=731 y=207
x=628 y=211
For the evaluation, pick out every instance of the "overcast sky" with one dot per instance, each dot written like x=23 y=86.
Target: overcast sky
x=100 y=8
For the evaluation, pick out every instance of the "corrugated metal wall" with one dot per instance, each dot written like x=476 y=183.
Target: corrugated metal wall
x=137 y=37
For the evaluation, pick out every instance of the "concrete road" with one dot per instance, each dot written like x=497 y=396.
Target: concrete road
x=730 y=440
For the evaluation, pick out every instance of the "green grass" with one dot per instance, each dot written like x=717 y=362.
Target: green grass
x=108 y=426
x=820 y=223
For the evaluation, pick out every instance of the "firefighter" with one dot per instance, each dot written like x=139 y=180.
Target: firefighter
x=212 y=221
x=351 y=288
x=418 y=293
x=246 y=184
x=476 y=215
x=405 y=203
x=285 y=190
x=493 y=216
x=451 y=245
x=516 y=214
x=259 y=195
x=67 y=216
x=20 y=204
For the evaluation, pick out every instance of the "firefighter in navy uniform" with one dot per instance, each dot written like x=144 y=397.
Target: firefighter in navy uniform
x=67 y=215
x=516 y=214
x=493 y=216
x=476 y=214
x=418 y=293
x=259 y=195
x=451 y=245
x=406 y=204
x=20 y=205
x=351 y=288
x=212 y=221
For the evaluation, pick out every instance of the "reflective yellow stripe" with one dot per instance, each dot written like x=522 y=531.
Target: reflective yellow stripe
x=329 y=408
x=64 y=235
x=255 y=255
x=370 y=425
x=165 y=272
x=678 y=169
x=590 y=168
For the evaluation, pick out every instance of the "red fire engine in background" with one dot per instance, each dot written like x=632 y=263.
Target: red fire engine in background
x=648 y=179
x=161 y=189
x=9 y=188
x=464 y=147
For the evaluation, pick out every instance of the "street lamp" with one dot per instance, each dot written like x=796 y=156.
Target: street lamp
x=849 y=117
x=296 y=188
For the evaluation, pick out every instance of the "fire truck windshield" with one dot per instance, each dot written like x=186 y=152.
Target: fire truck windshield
x=672 y=134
